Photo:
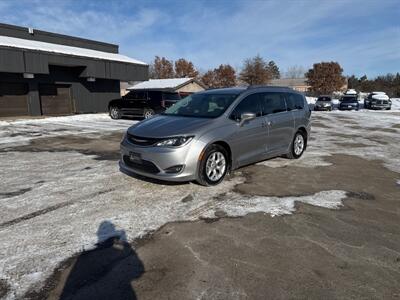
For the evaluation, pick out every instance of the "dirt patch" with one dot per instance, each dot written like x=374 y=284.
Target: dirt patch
x=103 y=147
x=357 y=127
x=346 y=120
x=378 y=139
x=343 y=135
x=396 y=126
x=351 y=145
x=348 y=173
x=386 y=130
x=4 y=288
x=320 y=125
x=15 y=193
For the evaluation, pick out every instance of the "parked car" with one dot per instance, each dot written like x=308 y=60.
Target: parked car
x=377 y=100
x=142 y=104
x=349 y=102
x=323 y=103
x=207 y=134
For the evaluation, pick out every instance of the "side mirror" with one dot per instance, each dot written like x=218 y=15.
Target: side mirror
x=246 y=117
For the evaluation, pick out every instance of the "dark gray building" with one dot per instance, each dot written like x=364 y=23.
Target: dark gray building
x=43 y=73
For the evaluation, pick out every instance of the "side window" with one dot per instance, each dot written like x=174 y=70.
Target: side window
x=295 y=101
x=139 y=96
x=272 y=103
x=250 y=104
x=299 y=101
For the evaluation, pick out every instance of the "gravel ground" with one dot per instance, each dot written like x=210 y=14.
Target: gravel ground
x=302 y=224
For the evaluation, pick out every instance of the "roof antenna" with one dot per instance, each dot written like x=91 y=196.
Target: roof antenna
x=30 y=30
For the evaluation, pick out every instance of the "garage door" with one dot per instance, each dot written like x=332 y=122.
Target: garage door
x=55 y=99
x=13 y=99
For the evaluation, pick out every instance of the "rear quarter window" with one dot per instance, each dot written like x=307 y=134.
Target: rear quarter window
x=294 y=101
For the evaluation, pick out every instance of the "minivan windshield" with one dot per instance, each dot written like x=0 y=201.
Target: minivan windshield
x=203 y=105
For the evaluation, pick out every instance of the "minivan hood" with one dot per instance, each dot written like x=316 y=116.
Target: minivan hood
x=161 y=126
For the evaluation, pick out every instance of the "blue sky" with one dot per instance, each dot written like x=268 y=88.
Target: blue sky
x=362 y=35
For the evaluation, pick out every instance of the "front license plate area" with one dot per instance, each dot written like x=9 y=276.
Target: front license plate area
x=135 y=157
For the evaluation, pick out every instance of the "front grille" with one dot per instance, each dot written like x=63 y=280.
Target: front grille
x=142 y=141
x=143 y=165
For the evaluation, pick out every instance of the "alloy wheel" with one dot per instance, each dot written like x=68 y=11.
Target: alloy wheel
x=215 y=166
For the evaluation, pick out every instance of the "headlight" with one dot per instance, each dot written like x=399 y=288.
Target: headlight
x=175 y=141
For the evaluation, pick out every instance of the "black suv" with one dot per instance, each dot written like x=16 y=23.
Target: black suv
x=142 y=104
x=349 y=102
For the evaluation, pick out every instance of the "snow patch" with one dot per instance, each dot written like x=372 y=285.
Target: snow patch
x=241 y=205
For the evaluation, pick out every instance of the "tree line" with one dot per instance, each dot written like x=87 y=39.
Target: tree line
x=322 y=78
x=389 y=83
x=255 y=70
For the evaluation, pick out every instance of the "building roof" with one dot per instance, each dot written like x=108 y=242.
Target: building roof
x=289 y=82
x=12 y=42
x=162 y=84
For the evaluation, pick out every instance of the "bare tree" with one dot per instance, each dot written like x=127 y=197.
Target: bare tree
x=255 y=71
x=295 y=72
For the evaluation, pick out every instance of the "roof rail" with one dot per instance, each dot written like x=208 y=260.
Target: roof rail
x=267 y=86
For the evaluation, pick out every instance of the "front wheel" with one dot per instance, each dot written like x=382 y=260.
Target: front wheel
x=298 y=145
x=213 y=166
x=148 y=113
x=115 y=113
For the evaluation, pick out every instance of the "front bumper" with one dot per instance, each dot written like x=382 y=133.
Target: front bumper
x=381 y=106
x=323 y=108
x=158 y=159
x=348 y=107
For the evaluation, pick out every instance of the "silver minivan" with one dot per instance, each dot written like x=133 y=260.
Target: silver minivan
x=208 y=134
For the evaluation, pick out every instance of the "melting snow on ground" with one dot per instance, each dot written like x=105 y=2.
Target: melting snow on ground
x=53 y=202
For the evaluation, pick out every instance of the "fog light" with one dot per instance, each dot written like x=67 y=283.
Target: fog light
x=174 y=169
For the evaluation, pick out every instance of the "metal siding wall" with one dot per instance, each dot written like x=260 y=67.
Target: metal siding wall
x=12 y=61
x=36 y=63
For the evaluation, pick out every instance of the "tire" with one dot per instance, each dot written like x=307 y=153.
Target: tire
x=115 y=113
x=211 y=172
x=294 y=152
x=148 y=113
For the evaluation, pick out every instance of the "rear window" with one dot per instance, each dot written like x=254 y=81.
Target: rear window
x=324 y=99
x=294 y=101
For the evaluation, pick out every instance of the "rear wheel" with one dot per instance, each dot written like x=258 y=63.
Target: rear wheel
x=213 y=166
x=298 y=145
x=148 y=113
x=115 y=113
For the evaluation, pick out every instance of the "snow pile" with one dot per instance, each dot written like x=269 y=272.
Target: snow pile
x=395 y=103
x=12 y=42
x=311 y=100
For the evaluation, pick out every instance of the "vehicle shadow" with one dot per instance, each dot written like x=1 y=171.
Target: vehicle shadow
x=106 y=272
